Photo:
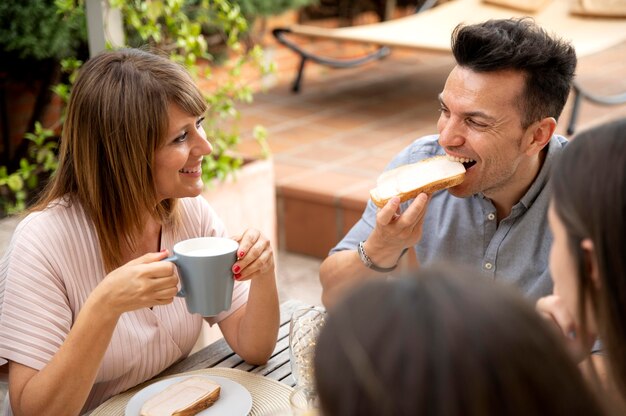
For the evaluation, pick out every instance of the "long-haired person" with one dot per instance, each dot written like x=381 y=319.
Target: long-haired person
x=588 y=257
x=88 y=309
x=445 y=343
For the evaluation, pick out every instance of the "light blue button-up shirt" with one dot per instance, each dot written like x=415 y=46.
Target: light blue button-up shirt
x=465 y=230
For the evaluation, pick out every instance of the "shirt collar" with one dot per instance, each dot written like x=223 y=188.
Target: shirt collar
x=554 y=147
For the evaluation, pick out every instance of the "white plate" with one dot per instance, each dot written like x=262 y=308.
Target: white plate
x=234 y=399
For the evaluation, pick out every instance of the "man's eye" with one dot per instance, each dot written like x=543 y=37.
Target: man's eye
x=476 y=124
x=443 y=110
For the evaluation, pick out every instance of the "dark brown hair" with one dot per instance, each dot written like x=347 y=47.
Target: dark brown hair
x=589 y=196
x=519 y=44
x=444 y=343
x=117 y=117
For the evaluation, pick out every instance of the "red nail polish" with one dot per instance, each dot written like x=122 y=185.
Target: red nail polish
x=241 y=254
x=237 y=276
x=236 y=268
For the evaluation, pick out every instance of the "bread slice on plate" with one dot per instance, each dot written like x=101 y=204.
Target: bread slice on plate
x=184 y=398
x=408 y=181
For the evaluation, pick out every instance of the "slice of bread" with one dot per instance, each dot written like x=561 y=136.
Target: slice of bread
x=184 y=398
x=408 y=181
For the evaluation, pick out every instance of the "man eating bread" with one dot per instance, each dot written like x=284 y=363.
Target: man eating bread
x=498 y=113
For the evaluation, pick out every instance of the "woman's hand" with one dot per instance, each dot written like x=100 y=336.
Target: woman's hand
x=553 y=310
x=255 y=256
x=141 y=283
x=251 y=331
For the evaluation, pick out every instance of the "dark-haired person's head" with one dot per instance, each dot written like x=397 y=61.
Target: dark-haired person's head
x=444 y=343
x=548 y=64
x=588 y=220
x=500 y=104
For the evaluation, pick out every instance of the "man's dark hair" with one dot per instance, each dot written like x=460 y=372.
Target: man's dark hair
x=519 y=44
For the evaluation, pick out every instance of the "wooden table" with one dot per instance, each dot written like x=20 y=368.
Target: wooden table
x=219 y=354
x=269 y=392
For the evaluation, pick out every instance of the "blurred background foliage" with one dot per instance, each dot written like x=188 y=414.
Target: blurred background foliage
x=43 y=43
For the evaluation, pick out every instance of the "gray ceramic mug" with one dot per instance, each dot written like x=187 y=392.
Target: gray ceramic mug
x=205 y=271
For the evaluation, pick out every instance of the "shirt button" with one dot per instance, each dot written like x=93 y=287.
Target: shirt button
x=491 y=216
x=488 y=266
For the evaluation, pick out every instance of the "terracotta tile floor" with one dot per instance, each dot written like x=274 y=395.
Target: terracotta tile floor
x=331 y=141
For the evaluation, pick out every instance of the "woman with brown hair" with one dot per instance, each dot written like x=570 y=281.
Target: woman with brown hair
x=444 y=342
x=588 y=256
x=88 y=308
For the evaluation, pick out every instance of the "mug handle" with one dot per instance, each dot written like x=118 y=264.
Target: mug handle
x=181 y=293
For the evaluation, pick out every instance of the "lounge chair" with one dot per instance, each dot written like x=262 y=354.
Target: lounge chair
x=430 y=30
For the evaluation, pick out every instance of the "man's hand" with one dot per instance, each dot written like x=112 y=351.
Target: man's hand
x=395 y=231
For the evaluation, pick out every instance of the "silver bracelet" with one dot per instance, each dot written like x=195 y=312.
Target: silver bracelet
x=370 y=265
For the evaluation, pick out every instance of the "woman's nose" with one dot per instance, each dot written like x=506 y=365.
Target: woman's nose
x=202 y=146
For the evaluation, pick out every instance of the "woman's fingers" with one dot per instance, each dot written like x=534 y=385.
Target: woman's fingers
x=254 y=254
x=262 y=264
x=246 y=241
x=552 y=308
x=148 y=258
x=140 y=283
x=165 y=296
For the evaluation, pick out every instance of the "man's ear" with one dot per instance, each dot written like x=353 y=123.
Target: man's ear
x=539 y=134
x=591 y=262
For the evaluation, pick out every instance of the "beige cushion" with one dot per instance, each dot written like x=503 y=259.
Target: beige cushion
x=530 y=6
x=616 y=8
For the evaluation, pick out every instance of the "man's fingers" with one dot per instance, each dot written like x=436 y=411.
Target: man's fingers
x=389 y=212
x=415 y=212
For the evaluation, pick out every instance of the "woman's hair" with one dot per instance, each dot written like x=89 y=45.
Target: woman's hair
x=589 y=196
x=444 y=343
x=116 y=118
x=521 y=45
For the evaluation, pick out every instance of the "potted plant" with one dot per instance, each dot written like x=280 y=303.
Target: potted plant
x=34 y=39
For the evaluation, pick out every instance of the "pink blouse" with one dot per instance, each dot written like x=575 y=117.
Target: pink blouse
x=52 y=265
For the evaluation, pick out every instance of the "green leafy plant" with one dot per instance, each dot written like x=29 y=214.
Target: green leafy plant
x=35 y=29
x=42 y=161
x=35 y=37
x=165 y=25
x=256 y=8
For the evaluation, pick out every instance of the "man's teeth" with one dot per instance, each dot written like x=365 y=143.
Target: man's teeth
x=460 y=159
